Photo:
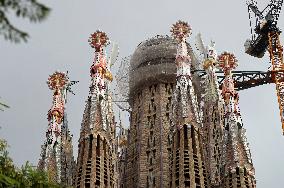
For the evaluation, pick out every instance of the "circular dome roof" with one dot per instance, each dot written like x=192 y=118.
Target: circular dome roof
x=159 y=47
x=153 y=61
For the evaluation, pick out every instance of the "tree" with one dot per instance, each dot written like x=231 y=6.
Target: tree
x=29 y=9
x=27 y=176
x=3 y=105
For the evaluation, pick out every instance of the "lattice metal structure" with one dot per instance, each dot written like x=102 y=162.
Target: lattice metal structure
x=121 y=97
x=276 y=56
x=57 y=151
x=268 y=37
x=265 y=22
x=246 y=79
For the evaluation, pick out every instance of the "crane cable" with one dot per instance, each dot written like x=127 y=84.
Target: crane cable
x=252 y=2
x=250 y=24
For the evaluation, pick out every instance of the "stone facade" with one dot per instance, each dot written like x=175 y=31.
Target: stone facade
x=167 y=148
x=150 y=98
x=68 y=164
x=121 y=155
x=184 y=131
x=187 y=158
x=147 y=157
x=212 y=132
x=237 y=162
x=213 y=113
x=96 y=162
x=57 y=151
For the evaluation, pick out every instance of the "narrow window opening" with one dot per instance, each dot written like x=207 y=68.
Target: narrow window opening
x=98 y=146
x=178 y=138
x=90 y=146
x=185 y=137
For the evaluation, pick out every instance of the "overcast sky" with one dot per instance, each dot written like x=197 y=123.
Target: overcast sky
x=60 y=43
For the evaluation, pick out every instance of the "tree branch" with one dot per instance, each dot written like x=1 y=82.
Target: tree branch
x=31 y=9
x=9 y=31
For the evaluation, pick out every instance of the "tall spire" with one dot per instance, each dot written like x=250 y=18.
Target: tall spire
x=186 y=107
x=187 y=165
x=121 y=144
x=57 y=151
x=100 y=74
x=95 y=163
x=209 y=65
x=238 y=167
x=212 y=129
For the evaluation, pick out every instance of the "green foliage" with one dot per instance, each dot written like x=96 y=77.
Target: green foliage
x=26 y=177
x=29 y=9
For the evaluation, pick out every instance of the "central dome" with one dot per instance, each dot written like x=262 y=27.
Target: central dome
x=153 y=61
x=153 y=50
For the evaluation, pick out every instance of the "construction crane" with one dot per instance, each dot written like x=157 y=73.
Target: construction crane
x=265 y=36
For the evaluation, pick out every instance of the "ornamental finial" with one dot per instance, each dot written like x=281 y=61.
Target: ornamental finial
x=227 y=61
x=57 y=80
x=100 y=66
x=180 y=30
x=98 y=40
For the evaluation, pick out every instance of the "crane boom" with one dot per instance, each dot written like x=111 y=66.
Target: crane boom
x=253 y=7
x=276 y=56
x=268 y=38
x=275 y=8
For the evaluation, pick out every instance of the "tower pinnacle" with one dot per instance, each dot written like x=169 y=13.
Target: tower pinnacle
x=180 y=31
x=100 y=67
x=238 y=167
x=56 y=82
x=212 y=129
x=187 y=160
x=57 y=152
x=96 y=159
x=185 y=106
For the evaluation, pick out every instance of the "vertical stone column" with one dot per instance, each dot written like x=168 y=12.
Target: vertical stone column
x=57 y=151
x=95 y=166
x=188 y=168
x=213 y=124
x=237 y=163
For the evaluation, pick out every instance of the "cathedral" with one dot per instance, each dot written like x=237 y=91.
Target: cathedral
x=185 y=130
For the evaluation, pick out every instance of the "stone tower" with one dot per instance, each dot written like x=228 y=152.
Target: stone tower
x=96 y=156
x=151 y=85
x=179 y=135
x=57 y=151
x=213 y=125
x=237 y=163
x=68 y=163
x=152 y=81
x=187 y=158
x=121 y=143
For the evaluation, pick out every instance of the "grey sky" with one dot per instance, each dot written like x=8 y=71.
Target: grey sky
x=60 y=43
